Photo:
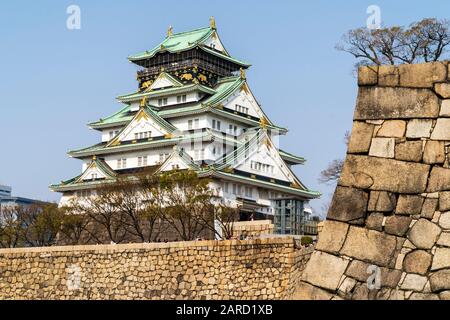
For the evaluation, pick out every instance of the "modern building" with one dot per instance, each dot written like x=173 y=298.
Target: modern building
x=6 y=198
x=194 y=109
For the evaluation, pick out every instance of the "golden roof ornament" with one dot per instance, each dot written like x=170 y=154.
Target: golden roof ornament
x=143 y=102
x=94 y=157
x=263 y=122
x=170 y=31
x=212 y=23
x=242 y=72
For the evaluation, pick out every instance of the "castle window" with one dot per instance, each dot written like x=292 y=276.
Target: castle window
x=181 y=99
x=94 y=176
x=189 y=124
x=121 y=163
x=214 y=124
x=196 y=123
x=218 y=125
x=162 y=102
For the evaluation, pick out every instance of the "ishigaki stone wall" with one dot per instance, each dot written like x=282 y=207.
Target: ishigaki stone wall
x=248 y=269
x=389 y=222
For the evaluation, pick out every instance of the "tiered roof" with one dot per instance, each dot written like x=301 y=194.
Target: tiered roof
x=184 y=41
x=226 y=167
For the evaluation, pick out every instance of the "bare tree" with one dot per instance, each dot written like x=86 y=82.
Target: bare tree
x=10 y=228
x=422 y=41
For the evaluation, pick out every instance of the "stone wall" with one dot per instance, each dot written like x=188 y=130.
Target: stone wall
x=391 y=209
x=249 y=269
x=253 y=228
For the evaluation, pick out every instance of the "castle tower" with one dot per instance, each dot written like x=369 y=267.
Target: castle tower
x=194 y=109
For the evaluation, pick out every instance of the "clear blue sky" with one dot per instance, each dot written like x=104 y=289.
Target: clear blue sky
x=53 y=81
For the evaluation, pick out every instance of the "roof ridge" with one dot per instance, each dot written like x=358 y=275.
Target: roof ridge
x=187 y=32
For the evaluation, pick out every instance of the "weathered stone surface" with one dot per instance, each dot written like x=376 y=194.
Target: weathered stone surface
x=384 y=174
x=444 y=220
x=445 y=108
x=382 y=147
x=395 y=103
x=419 y=128
x=409 y=204
x=422 y=75
x=332 y=236
x=429 y=207
x=347 y=285
x=434 y=152
x=392 y=129
x=306 y=291
x=417 y=261
x=361 y=137
x=414 y=282
x=423 y=296
x=348 y=205
x=409 y=151
x=324 y=270
x=440 y=280
x=397 y=225
x=369 y=245
x=381 y=201
x=424 y=234
x=444 y=239
x=388 y=76
x=439 y=180
x=442 y=129
x=367 y=75
x=375 y=221
x=442 y=89
x=444 y=295
x=444 y=201
x=441 y=259
x=360 y=271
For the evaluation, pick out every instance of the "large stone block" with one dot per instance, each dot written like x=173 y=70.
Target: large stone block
x=374 y=221
x=397 y=225
x=444 y=201
x=361 y=271
x=417 y=261
x=360 y=138
x=348 y=205
x=440 y=280
x=434 y=152
x=409 y=151
x=414 y=282
x=409 y=204
x=419 y=128
x=381 y=201
x=332 y=236
x=442 y=129
x=306 y=291
x=423 y=75
x=441 y=259
x=369 y=245
x=429 y=208
x=445 y=108
x=392 y=129
x=367 y=75
x=382 y=147
x=324 y=270
x=384 y=174
x=442 y=89
x=395 y=103
x=439 y=180
x=424 y=234
x=444 y=220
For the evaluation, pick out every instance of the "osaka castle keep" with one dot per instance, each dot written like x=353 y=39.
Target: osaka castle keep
x=195 y=110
